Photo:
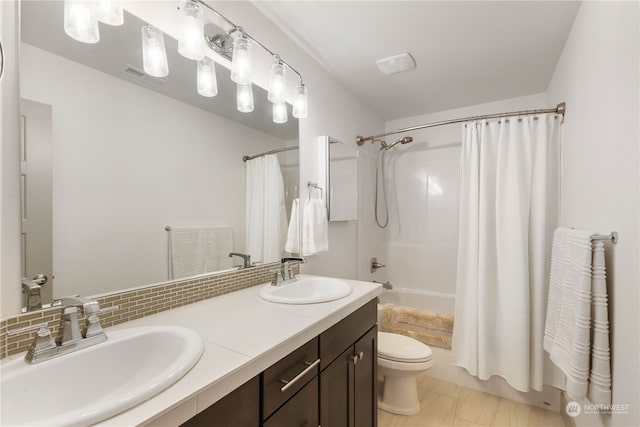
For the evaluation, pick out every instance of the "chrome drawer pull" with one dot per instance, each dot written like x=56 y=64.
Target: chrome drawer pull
x=289 y=383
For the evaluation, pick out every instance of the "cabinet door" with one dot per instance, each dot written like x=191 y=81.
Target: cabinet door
x=366 y=380
x=300 y=411
x=240 y=408
x=336 y=392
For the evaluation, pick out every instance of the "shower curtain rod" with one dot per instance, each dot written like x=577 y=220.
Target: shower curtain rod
x=245 y=158
x=559 y=109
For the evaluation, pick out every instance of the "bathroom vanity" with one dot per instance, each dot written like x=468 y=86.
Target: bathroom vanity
x=330 y=379
x=269 y=364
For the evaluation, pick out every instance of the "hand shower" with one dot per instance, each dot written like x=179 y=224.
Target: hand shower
x=380 y=165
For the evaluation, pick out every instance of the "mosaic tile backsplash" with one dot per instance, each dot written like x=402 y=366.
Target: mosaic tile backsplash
x=138 y=303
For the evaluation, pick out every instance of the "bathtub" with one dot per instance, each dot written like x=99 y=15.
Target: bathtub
x=548 y=398
x=424 y=300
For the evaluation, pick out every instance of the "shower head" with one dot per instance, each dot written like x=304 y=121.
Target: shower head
x=405 y=140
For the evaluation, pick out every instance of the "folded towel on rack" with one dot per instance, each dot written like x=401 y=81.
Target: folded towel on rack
x=576 y=311
x=293 y=233
x=315 y=227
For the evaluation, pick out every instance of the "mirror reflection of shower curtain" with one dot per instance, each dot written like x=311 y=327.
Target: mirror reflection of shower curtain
x=266 y=218
x=509 y=205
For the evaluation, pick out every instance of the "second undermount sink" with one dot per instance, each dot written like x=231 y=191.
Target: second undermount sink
x=307 y=290
x=93 y=384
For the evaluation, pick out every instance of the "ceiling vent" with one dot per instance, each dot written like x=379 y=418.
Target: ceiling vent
x=396 y=64
x=141 y=75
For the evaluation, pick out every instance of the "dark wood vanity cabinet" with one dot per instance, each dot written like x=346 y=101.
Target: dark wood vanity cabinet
x=331 y=381
x=348 y=385
x=240 y=408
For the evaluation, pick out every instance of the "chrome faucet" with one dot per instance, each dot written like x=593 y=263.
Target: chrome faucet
x=44 y=347
x=245 y=258
x=284 y=273
x=32 y=294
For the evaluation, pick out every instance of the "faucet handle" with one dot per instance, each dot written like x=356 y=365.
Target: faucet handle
x=93 y=322
x=37 y=327
x=43 y=340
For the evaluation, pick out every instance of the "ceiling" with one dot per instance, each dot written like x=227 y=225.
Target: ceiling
x=466 y=52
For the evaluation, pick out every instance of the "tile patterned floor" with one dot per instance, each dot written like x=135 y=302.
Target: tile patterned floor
x=449 y=405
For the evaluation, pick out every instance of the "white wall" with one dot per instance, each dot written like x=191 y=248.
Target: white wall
x=597 y=75
x=423 y=178
x=127 y=162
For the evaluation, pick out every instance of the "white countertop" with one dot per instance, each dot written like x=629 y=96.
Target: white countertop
x=243 y=335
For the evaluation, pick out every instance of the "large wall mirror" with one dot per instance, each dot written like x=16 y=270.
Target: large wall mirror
x=131 y=180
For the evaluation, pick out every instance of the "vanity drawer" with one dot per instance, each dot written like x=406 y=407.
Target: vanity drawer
x=301 y=410
x=283 y=379
x=342 y=335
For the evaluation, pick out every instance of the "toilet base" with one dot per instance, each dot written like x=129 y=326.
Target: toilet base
x=400 y=395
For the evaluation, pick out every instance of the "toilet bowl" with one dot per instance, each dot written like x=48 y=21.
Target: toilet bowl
x=400 y=360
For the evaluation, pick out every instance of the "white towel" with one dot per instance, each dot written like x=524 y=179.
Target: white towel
x=198 y=250
x=315 y=227
x=293 y=234
x=567 y=335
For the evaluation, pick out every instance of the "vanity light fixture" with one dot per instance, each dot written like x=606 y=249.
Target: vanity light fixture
x=81 y=20
x=81 y=23
x=111 y=12
x=191 y=30
x=206 y=77
x=277 y=82
x=154 y=55
x=280 y=112
x=244 y=98
x=241 y=64
x=300 y=101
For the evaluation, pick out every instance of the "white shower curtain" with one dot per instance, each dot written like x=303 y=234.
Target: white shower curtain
x=509 y=205
x=266 y=218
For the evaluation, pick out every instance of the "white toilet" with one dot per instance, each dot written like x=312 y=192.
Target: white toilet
x=400 y=360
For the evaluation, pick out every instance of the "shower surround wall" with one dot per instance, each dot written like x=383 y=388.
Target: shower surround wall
x=421 y=244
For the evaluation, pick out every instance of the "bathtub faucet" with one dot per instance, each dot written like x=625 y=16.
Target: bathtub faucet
x=385 y=285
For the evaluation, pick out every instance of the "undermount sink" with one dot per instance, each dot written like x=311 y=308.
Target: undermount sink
x=93 y=384
x=307 y=290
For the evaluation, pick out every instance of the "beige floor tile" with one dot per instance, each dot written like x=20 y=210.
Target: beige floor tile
x=459 y=422
x=476 y=406
x=439 y=408
x=438 y=386
x=542 y=417
x=512 y=414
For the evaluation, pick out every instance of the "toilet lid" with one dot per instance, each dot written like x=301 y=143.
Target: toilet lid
x=401 y=348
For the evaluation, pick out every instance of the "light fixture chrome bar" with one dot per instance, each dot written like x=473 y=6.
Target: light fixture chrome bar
x=559 y=109
x=279 y=150
x=613 y=237
x=238 y=28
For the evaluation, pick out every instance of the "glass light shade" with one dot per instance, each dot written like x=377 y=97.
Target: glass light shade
x=300 y=102
x=280 y=112
x=81 y=20
x=110 y=12
x=154 y=55
x=191 y=31
x=244 y=98
x=241 y=66
x=277 y=83
x=207 y=82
